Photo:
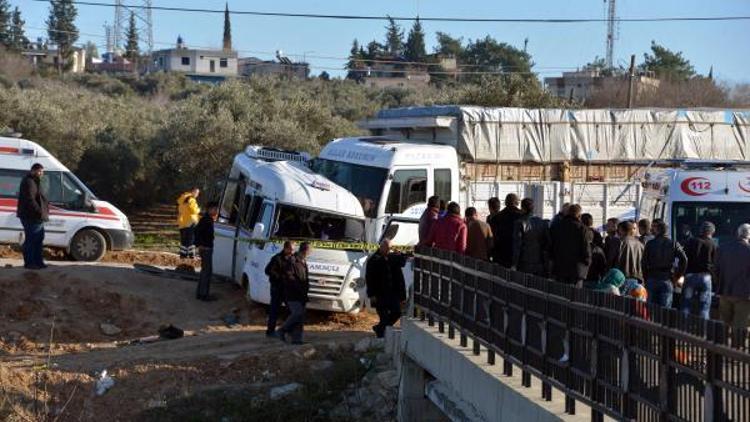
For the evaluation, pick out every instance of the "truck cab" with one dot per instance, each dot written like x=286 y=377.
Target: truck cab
x=695 y=192
x=271 y=196
x=390 y=179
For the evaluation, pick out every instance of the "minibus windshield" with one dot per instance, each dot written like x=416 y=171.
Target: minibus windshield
x=304 y=223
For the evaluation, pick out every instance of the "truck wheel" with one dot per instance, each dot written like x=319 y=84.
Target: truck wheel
x=88 y=245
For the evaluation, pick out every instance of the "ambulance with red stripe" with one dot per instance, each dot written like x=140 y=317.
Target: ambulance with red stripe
x=78 y=222
x=699 y=191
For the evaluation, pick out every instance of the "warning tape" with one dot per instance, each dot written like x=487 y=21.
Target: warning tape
x=322 y=244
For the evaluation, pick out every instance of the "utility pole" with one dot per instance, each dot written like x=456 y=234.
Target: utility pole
x=631 y=80
x=611 y=34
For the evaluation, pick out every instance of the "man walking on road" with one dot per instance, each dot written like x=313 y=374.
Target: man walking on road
x=296 y=286
x=733 y=268
x=33 y=211
x=204 y=241
x=478 y=236
x=188 y=213
x=275 y=272
x=385 y=285
x=701 y=255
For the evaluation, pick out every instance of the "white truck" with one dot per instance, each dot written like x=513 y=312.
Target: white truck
x=83 y=225
x=696 y=192
x=271 y=196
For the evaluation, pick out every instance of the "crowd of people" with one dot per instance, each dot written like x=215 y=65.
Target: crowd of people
x=635 y=259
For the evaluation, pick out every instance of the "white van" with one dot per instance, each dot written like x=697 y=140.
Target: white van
x=271 y=196
x=78 y=222
x=699 y=191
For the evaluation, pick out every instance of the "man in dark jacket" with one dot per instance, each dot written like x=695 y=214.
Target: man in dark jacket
x=275 y=272
x=630 y=256
x=504 y=221
x=571 y=254
x=733 y=273
x=598 y=266
x=296 y=286
x=701 y=255
x=428 y=218
x=612 y=242
x=385 y=285
x=659 y=257
x=204 y=241
x=531 y=242
x=33 y=211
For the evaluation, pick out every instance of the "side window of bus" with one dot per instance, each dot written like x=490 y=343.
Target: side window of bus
x=252 y=205
x=442 y=185
x=230 y=201
x=10 y=181
x=266 y=217
x=408 y=187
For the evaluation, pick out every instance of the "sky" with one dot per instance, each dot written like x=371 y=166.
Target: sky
x=554 y=47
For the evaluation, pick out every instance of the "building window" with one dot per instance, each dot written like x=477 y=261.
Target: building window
x=223 y=62
x=186 y=61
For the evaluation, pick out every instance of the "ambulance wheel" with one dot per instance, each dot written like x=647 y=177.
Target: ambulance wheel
x=88 y=245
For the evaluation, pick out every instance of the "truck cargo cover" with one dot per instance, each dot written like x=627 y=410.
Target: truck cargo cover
x=597 y=135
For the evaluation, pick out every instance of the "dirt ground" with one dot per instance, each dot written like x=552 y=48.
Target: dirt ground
x=53 y=344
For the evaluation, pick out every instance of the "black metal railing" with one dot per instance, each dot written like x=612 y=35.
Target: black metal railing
x=623 y=358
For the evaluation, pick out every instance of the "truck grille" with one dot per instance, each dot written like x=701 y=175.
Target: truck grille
x=326 y=284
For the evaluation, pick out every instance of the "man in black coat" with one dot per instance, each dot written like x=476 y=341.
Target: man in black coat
x=571 y=251
x=530 y=242
x=385 y=285
x=204 y=241
x=296 y=285
x=33 y=211
x=502 y=230
x=275 y=272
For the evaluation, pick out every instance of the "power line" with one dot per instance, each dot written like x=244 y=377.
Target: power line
x=421 y=18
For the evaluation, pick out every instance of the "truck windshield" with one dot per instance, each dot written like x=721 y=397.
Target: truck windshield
x=726 y=216
x=303 y=223
x=366 y=183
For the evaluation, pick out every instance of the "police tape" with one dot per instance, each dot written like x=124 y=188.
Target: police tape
x=322 y=244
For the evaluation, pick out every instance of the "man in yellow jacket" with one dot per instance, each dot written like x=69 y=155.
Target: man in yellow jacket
x=188 y=214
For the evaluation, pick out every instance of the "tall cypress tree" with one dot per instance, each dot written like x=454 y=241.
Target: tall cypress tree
x=394 y=37
x=227 y=29
x=415 y=46
x=18 y=40
x=131 y=40
x=62 y=30
x=5 y=23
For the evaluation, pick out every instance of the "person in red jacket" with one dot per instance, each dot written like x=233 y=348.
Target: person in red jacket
x=449 y=232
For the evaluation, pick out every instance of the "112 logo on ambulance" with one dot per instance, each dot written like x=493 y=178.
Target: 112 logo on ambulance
x=696 y=186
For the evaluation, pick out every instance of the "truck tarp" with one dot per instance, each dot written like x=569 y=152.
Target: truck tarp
x=598 y=135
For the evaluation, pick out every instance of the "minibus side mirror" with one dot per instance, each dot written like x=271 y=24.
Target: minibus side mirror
x=85 y=202
x=258 y=230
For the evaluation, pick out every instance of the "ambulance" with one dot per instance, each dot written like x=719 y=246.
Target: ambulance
x=697 y=191
x=271 y=196
x=78 y=222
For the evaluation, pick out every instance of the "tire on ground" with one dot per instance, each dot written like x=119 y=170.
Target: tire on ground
x=88 y=245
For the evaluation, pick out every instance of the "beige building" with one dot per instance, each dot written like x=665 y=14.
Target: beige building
x=200 y=65
x=46 y=57
x=410 y=80
x=581 y=84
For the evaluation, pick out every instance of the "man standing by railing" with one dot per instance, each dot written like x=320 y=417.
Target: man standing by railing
x=571 y=254
x=531 y=242
x=449 y=232
x=659 y=257
x=479 y=240
x=701 y=255
x=733 y=268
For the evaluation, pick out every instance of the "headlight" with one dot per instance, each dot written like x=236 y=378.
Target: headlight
x=126 y=224
x=360 y=282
